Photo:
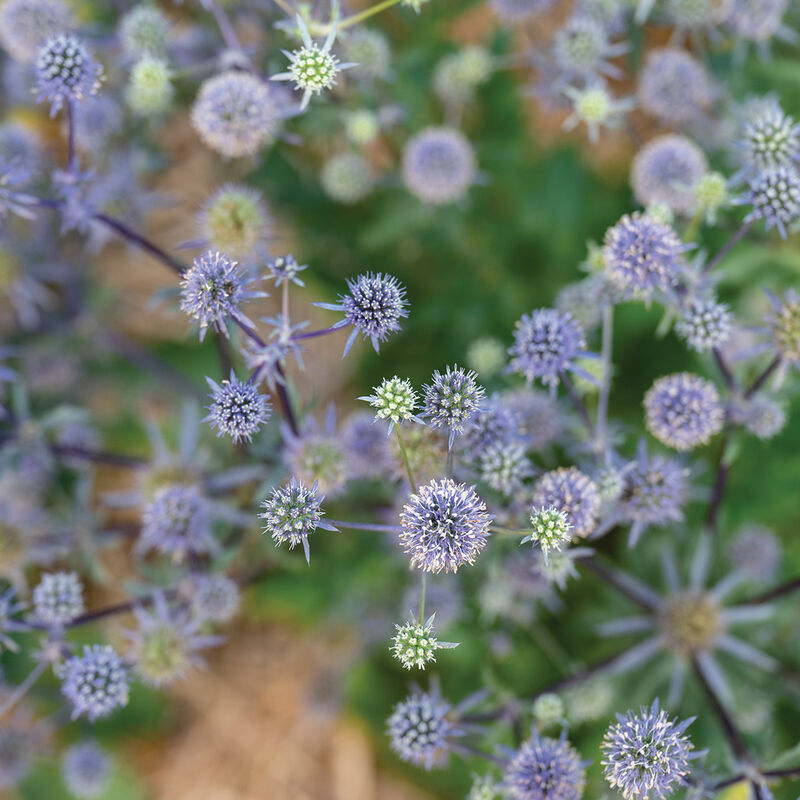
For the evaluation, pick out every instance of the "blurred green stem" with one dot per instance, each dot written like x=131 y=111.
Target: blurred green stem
x=354 y=19
x=605 y=378
x=401 y=442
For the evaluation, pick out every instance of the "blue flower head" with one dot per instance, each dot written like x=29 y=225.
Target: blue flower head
x=95 y=683
x=237 y=409
x=66 y=72
x=86 y=769
x=545 y=769
x=58 y=599
x=452 y=400
x=775 y=197
x=438 y=165
x=567 y=489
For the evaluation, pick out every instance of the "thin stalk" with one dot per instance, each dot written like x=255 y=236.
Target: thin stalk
x=401 y=443
x=605 y=384
x=23 y=688
x=718 y=489
x=690 y=234
x=96 y=456
x=225 y=26
x=577 y=401
x=141 y=242
x=313 y=334
x=286 y=8
x=763 y=377
x=775 y=593
x=421 y=609
x=354 y=19
x=71 y=160
x=724 y=369
x=610 y=577
x=728 y=246
x=365 y=526
x=548 y=644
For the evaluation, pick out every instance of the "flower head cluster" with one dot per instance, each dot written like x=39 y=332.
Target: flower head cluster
x=419 y=729
x=86 y=769
x=445 y=525
x=546 y=344
x=317 y=455
x=504 y=466
x=595 y=107
x=770 y=138
x=415 y=645
x=370 y=50
x=452 y=399
x=567 y=489
x=581 y=48
x=66 y=72
x=25 y=25
x=756 y=552
x=550 y=529
x=58 y=598
x=643 y=255
x=761 y=415
x=775 y=196
x=783 y=326
x=755 y=21
x=214 y=598
x=647 y=754
x=545 y=769
x=711 y=193
x=292 y=513
x=438 y=165
x=150 y=90
x=144 y=31
x=233 y=220
x=347 y=178
x=705 y=324
x=674 y=86
x=395 y=400
x=237 y=409
x=683 y=410
x=457 y=75
x=96 y=682
x=212 y=290
x=285 y=268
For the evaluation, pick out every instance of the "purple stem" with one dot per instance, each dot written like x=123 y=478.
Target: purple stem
x=763 y=377
x=312 y=334
x=727 y=375
x=775 y=593
x=577 y=401
x=718 y=490
x=728 y=246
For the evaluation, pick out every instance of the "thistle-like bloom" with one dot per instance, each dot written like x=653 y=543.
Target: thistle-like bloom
x=537 y=418
x=756 y=552
x=316 y=455
x=150 y=90
x=674 y=86
x=144 y=31
x=705 y=324
x=711 y=193
x=452 y=400
x=445 y=525
x=235 y=114
x=367 y=447
x=775 y=197
x=770 y=138
x=665 y=172
x=567 y=489
x=581 y=49
x=762 y=416
x=548 y=709
x=58 y=599
x=233 y=220
x=95 y=683
x=546 y=345
x=177 y=523
x=415 y=645
x=545 y=769
x=438 y=165
x=311 y=67
x=683 y=410
x=487 y=356
x=214 y=598
x=292 y=513
x=25 y=25
x=212 y=290
x=643 y=255
x=237 y=409
x=504 y=466
x=756 y=21
x=420 y=728
x=285 y=268
x=395 y=400
x=369 y=49
x=595 y=107
x=347 y=178
x=458 y=74
x=550 y=529
x=783 y=326
x=374 y=307
x=85 y=770
x=165 y=643
x=66 y=72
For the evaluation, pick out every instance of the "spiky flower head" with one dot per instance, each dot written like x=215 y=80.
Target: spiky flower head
x=144 y=31
x=66 y=72
x=438 y=165
x=395 y=400
x=504 y=466
x=292 y=513
x=233 y=220
x=594 y=106
x=690 y=622
x=755 y=20
x=756 y=552
x=550 y=529
x=415 y=645
x=705 y=324
x=237 y=409
x=770 y=138
x=545 y=769
x=783 y=326
x=212 y=290
x=762 y=416
x=312 y=68
x=347 y=178
x=567 y=489
x=445 y=525
x=537 y=416
x=484 y=787
x=95 y=683
x=548 y=709
x=487 y=356
x=710 y=194
x=235 y=113
x=775 y=197
x=419 y=729
x=643 y=255
x=683 y=410
x=25 y=25
x=457 y=75
x=285 y=268
x=694 y=15
x=58 y=599
x=214 y=598
x=581 y=46
x=666 y=170
x=546 y=344
x=369 y=49
x=85 y=770
x=647 y=754
x=362 y=126
x=452 y=399
x=176 y=522
x=150 y=90
x=674 y=86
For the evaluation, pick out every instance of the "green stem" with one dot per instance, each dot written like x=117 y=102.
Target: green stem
x=354 y=19
x=512 y=531
x=690 y=234
x=404 y=453
x=550 y=647
x=421 y=611
x=605 y=385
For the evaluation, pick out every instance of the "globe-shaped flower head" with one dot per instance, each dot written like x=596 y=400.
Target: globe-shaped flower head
x=235 y=113
x=285 y=268
x=237 y=409
x=647 y=754
x=665 y=172
x=95 y=683
x=395 y=400
x=545 y=769
x=581 y=48
x=546 y=344
x=374 y=306
x=705 y=324
x=415 y=644
x=775 y=197
x=770 y=137
x=214 y=598
x=233 y=220
x=683 y=410
x=438 y=165
x=419 y=729
x=292 y=513
x=445 y=525
x=452 y=400
x=58 y=598
x=347 y=178
x=550 y=529
x=567 y=489
x=783 y=326
x=643 y=255
x=312 y=68
x=85 y=769
x=66 y=72
x=25 y=25
x=504 y=466
x=755 y=20
x=144 y=31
